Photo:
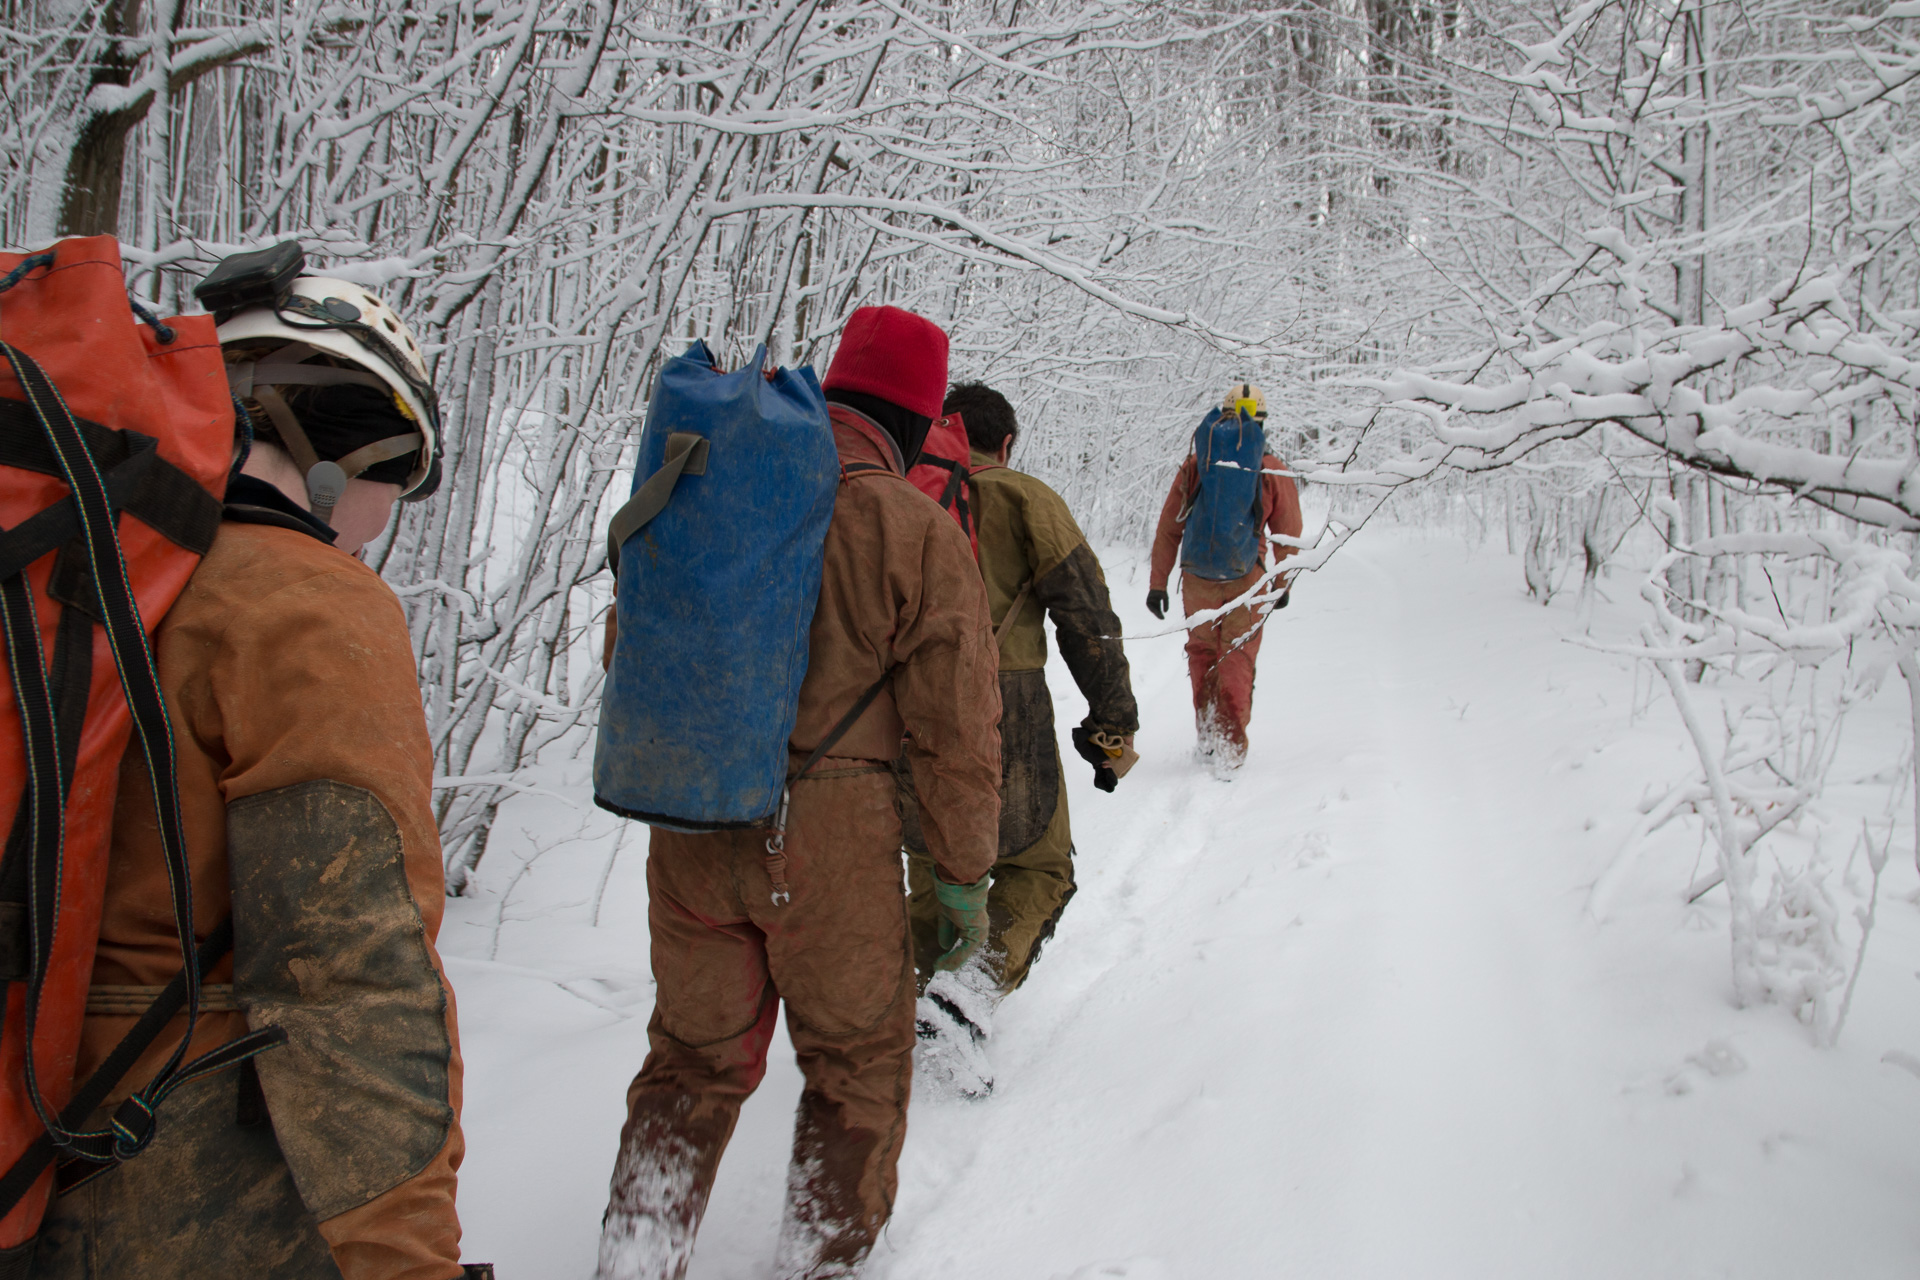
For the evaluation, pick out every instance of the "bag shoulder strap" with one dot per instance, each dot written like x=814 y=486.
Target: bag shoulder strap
x=1005 y=625
x=848 y=470
x=686 y=455
x=43 y=802
x=846 y=722
x=88 y=1097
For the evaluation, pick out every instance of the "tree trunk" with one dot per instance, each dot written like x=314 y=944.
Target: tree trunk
x=90 y=204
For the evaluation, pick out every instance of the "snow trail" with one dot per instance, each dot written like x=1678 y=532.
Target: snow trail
x=1340 y=1016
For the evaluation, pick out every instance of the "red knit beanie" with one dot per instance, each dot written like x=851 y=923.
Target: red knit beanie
x=893 y=354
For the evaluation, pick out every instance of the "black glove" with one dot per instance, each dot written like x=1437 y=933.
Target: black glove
x=1097 y=757
x=1157 y=603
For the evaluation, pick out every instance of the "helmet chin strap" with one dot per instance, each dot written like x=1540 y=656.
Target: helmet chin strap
x=327 y=481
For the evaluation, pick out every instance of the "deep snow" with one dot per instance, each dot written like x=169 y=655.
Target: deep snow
x=1345 y=1015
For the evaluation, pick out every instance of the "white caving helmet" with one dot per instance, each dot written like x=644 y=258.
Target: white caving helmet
x=1246 y=397
x=314 y=316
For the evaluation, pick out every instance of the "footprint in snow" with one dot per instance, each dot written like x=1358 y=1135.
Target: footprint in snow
x=1718 y=1059
x=1315 y=848
x=1130 y=1269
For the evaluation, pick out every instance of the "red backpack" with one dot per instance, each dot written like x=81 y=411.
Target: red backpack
x=942 y=473
x=116 y=437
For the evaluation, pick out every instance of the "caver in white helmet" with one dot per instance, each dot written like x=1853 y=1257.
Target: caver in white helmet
x=318 y=316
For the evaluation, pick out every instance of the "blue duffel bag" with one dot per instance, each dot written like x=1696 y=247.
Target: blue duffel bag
x=1223 y=536
x=718 y=557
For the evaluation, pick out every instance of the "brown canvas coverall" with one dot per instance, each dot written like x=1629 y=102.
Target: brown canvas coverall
x=1219 y=661
x=1028 y=535
x=305 y=792
x=899 y=591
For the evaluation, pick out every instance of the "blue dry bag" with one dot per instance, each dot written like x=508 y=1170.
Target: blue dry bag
x=1222 y=539
x=718 y=555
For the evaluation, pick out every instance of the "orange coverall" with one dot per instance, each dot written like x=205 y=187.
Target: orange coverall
x=1221 y=654
x=305 y=781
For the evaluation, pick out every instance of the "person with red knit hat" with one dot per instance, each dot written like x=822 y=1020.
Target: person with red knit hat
x=900 y=598
x=890 y=369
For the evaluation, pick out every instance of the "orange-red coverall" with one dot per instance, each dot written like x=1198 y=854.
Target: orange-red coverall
x=1221 y=653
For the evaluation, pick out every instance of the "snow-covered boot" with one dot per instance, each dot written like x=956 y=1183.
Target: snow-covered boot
x=953 y=1020
x=949 y=1058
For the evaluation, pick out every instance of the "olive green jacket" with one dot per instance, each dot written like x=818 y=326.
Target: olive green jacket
x=1028 y=535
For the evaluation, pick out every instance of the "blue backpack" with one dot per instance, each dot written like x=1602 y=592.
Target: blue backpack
x=717 y=558
x=1223 y=534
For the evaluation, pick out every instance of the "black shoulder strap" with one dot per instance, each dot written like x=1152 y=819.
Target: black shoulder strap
x=88 y=521
x=839 y=730
x=88 y=1097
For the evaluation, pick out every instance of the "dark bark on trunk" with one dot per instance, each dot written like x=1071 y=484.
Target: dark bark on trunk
x=91 y=204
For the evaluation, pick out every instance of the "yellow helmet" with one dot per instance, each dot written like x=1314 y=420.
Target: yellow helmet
x=1246 y=397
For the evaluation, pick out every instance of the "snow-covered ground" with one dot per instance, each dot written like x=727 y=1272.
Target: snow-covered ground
x=1345 y=1015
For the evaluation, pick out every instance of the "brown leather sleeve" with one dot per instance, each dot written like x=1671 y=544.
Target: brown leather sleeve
x=1074 y=592
x=1166 y=537
x=946 y=685
x=315 y=684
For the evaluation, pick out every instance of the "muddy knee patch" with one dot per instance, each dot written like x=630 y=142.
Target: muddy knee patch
x=329 y=945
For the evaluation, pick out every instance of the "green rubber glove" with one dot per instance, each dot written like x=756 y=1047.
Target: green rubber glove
x=963 y=921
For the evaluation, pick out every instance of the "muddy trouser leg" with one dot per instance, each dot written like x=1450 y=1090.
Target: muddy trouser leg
x=838 y=954
x=1220 y=668
x=1033 y=876
x=211 y=1197
x=923 y=915
x=714 y=1011
x=1234 y=692
x=1203 y=651
x=1030 y=890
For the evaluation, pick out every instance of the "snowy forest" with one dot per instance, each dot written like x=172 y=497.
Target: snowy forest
x=1591 y=332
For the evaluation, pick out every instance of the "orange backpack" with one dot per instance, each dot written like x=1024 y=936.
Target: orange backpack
x=116 y=437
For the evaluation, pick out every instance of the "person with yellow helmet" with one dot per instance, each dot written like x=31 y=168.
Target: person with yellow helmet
x=1228 y=497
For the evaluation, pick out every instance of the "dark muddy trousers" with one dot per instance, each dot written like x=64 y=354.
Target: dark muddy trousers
x=211 y=1197
x=724 y=957
x=1033 y=876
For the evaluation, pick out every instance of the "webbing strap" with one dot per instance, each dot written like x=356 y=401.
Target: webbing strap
x=119 y=613
x=71 y=679
x=139 y=481
x=372 y=455
x=1006 y=624
x=293 y=437
x=686 y=455
x=846 y=722
x=89 y=1096
x=42 y=801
